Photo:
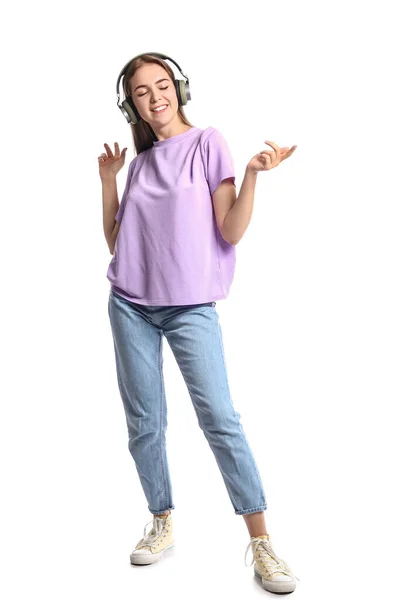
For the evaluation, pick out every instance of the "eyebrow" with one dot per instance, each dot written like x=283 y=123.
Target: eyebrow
x=158 y=81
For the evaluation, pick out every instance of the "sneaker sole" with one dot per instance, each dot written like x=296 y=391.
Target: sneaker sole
x=278 y=587
x=148 y=559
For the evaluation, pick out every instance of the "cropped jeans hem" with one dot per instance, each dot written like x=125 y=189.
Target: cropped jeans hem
x=159 y=512
x=246 y=511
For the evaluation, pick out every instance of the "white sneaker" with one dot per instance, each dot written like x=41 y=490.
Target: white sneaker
x=152 y=546
x=274 y=573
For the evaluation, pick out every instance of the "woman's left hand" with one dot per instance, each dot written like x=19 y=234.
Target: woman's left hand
x=268 y=159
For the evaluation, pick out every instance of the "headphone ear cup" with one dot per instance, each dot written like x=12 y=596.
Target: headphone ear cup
x=131 y=111
x=178 y=92
x=182 y=91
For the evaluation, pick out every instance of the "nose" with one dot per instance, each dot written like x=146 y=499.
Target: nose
x=155 y=96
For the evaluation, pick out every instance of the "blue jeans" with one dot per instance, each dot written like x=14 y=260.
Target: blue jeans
x=195 y=337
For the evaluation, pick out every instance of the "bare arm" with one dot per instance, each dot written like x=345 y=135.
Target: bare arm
x=114 y=235
x=110 y=209
x=238 y=216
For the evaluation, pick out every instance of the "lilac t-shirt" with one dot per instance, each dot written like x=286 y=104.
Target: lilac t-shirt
x=169 y=250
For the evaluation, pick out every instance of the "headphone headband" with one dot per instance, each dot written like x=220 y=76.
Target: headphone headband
x=127 y=106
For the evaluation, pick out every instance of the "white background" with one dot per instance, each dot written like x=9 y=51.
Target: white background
x=311 y=325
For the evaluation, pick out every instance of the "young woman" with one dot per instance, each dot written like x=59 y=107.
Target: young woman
x=173 y=239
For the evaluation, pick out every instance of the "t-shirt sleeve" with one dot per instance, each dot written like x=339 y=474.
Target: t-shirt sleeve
x=120 y=212
x=218 y=160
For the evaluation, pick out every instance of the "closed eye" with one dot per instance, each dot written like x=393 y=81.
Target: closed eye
x=163 y=88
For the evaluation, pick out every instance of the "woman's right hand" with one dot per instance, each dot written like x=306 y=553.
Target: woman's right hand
x=110 y=164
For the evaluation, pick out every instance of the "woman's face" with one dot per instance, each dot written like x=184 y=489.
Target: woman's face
x=151 y=86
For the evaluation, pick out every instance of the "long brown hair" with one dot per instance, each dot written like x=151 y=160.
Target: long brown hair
x=143 y=135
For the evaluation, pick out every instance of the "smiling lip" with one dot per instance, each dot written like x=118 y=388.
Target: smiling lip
x=157 y=111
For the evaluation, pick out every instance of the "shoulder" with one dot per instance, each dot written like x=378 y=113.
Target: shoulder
x=136 y=161
x=210 y=133
x=214 y=144
x=213 y=141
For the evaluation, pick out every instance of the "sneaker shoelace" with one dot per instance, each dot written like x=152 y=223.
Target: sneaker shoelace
x=151 y=538
x=268 y=558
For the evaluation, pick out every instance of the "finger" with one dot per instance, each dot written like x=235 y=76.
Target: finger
x=117 y=152
x=277 y=151
x=108 y=150
x=289 y=153
x=270 y=153
x=267 y=160
x=272 y=144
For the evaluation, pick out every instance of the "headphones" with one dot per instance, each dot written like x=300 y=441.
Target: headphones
x=127 y=106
